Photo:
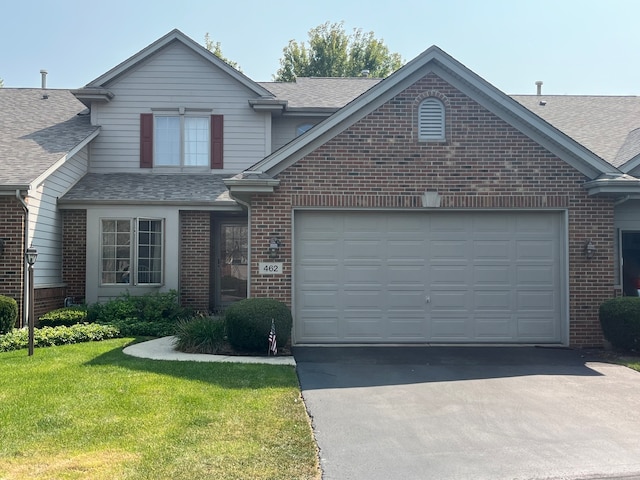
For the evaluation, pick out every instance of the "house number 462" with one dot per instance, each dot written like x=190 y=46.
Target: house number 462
x=270 y=268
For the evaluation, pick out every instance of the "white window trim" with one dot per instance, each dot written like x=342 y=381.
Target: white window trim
x=133 y=251
x=181 y=113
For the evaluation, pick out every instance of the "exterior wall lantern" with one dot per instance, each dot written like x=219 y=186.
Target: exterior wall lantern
x=31 y=254
x=589 y=249
x=1 y=246
x=274 y=246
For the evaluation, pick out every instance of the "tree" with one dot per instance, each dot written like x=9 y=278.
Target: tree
x=333 y=53
x=217 y=51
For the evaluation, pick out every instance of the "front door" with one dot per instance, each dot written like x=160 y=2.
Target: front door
x=231 y=262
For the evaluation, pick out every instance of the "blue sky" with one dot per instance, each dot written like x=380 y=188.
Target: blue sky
x=575 y=47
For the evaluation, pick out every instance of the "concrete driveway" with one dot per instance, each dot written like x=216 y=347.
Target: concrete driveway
x=470 y=413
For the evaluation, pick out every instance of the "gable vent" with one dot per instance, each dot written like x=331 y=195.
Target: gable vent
x=431 y=120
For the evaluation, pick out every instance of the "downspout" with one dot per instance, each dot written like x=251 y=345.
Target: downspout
x=246 y=205
x=25 y=287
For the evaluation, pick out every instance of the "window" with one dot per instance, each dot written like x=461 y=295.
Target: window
x=131 y=251
x=182 y=140
x=300 y=129
x=431 y=120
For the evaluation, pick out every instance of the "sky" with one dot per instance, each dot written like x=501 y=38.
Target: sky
x=576 y=47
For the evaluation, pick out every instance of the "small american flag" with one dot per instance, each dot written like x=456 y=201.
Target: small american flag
x=273 y=348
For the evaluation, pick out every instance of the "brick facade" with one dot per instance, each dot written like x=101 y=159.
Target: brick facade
x=74 y=253
x=484 y=164
x=47 y=299
x=195 y=248
x=12 y=218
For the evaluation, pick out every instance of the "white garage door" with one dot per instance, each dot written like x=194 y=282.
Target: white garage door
x=394 y=277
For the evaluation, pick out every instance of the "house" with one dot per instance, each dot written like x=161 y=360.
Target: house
x=428 y=207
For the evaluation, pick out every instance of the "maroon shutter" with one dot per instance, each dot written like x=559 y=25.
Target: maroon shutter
x=217 y=145
x=146 y=140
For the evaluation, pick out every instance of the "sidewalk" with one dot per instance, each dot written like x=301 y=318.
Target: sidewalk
x=163 y=349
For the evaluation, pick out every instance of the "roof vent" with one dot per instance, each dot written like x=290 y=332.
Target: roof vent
x=44 y=78
x=364 y=73
x=539 y=87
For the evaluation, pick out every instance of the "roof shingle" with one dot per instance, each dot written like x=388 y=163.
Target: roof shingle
x=37 y=128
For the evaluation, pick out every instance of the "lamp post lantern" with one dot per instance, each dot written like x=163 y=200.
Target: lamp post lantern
x=31 y=255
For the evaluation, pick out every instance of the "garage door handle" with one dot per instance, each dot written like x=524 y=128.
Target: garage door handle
x=427 y=299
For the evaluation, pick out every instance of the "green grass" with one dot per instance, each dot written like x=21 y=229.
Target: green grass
x=87 y=411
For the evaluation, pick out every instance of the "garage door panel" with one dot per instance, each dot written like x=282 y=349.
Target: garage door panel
x=496 y=328
x=363 y=274
x=450 y=329
x=495 y=301
x=448 y=250
x=319 y=299
x=529 y=275
x=428 y=276
x=484 y=275
x=539 y=250
x=536 y=301
x=406 y=299
x=492 y=250
x=320 y=274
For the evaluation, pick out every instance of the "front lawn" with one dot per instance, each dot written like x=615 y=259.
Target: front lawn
x=87 y=411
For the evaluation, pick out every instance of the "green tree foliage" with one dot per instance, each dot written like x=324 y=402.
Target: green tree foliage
x=214 y=47
x=331 y=52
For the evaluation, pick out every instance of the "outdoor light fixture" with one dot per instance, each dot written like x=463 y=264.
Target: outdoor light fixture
x=31 y=254
x=274 y=246
x=589 y=249
x=1 y=246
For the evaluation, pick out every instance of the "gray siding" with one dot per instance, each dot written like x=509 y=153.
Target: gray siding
x=45 y=223
x=283 y=129
x=176 y=77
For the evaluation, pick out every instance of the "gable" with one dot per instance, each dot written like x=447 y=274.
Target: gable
x=482 y=155
x=172 y=38
x=439 y=63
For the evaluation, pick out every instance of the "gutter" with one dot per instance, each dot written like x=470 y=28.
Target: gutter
x=25 y=275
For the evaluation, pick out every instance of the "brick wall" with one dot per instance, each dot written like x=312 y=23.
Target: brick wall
x=74 y=253
x=195 y=248
x=47 y=299
x=12 y=220
x=484 y=163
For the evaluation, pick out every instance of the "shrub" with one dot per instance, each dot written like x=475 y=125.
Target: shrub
x=153 y=315
x=8 y=314
x=620 y=320
x=201 y=335
x=249 y=322
x=49 y=336
x=63 y=317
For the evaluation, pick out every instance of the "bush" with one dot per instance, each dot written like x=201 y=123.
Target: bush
x=63 y=317
x=201 y=335
x=8 y=314
x=153 y=315
x=620 y=320
x=49 y=336
x=249 y=322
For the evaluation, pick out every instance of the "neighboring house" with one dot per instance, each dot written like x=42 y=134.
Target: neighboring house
x=425 y=208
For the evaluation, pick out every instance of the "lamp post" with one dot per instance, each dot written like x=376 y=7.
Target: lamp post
x=31 y=255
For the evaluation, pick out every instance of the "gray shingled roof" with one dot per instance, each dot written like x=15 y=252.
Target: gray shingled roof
x=35 y=132
x=140 y=188
x=320 y=92
x=606 y=125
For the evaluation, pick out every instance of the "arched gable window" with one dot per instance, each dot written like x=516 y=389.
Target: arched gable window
x=300 y=129
x=431 y=120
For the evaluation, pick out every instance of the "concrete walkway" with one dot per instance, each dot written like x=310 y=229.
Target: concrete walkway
x=164 y=349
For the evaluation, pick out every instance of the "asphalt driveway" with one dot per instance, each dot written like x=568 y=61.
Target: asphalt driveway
x=470 y=413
